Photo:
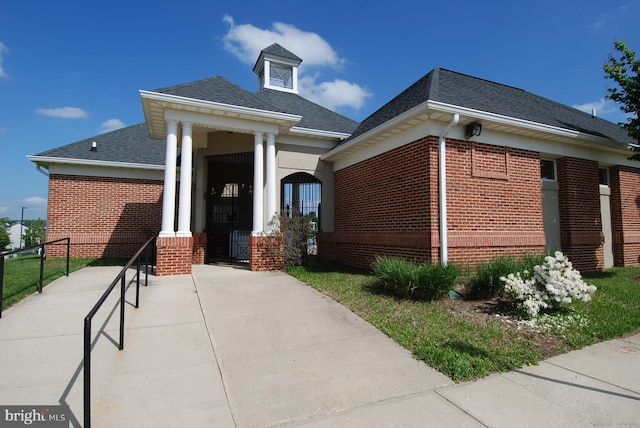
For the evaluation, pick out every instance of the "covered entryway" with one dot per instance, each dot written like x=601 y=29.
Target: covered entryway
x=229 y=215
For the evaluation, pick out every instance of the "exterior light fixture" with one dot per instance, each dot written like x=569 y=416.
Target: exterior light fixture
x=473 y=130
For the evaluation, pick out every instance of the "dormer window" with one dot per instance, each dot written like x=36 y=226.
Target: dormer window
x=281 y=76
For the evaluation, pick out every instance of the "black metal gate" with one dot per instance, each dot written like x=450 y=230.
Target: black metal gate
x=229 y=206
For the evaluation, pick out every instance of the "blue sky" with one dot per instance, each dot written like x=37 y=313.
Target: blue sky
x=72 y=69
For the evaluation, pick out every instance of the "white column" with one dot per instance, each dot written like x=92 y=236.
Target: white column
x=169 y=193
x=258 y=183
x=184 y=204
x=271 y=176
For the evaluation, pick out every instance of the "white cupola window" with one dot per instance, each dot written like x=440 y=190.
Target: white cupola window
x=281 y=76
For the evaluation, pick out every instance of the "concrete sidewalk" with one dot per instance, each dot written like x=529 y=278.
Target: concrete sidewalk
x=226 y=347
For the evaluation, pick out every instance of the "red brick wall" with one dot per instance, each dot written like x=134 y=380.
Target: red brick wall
x=103 y=216
x=494 y=201
x=580 y=216
x=266 y=253
x=199 y=248
x=174 y=255
x=625 y=215
x=388 y=205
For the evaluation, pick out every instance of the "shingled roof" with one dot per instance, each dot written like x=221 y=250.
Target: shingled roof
x=313 y=115
x=462 y=90
x=130 y=145
x=219 y=90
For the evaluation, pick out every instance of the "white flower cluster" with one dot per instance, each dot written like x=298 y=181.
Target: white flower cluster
x=552 y=284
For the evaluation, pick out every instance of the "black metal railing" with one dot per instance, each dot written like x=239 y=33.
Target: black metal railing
x=42 y=257
x=120 y=278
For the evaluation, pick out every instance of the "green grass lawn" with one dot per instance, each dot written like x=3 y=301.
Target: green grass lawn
x=465 y=348
x=22 y=274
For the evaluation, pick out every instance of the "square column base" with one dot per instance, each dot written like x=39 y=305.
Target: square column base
x=266 y=253
x=174 y=255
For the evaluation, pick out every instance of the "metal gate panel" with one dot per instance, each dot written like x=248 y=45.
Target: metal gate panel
x=229 y=206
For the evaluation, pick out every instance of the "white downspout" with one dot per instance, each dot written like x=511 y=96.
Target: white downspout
x=442 y=194
x=40 y=170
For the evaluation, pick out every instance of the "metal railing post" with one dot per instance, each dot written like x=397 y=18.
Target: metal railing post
x=87 y=372
x=122 y=294
x=41 y=272
x=138 y=283
x=68 y=252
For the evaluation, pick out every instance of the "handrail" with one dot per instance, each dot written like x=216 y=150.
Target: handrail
x=121 y=277
x=42 y=256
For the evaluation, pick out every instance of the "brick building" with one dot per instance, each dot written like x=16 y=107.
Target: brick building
x=455 y=168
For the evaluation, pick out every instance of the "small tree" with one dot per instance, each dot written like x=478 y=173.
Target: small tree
x=296 y=231
x=34 y=235
x=625 y=71
x=4 y=235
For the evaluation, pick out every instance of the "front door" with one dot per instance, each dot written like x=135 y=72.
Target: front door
x=229 y=206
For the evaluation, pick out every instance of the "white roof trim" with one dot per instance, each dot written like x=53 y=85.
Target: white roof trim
x=508 y=120
x=71 y=161
x=319 y=133
x=378 y=129
x=473 y=114
x=156 y=96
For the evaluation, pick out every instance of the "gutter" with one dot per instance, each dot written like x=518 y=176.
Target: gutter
x=87 y=162
x=40 y=169
x=442 y=194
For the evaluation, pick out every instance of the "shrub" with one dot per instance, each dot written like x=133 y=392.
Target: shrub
x=485 y=283
x=553 y=284
x=421 y=281
x=296 y=231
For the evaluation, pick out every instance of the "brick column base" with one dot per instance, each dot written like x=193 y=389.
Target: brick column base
x=199 y=248
x=174 y=256
x=266 y=253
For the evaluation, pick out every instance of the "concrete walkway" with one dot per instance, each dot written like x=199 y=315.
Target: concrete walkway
x=225 y=347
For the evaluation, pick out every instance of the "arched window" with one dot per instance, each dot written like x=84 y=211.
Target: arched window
x=302 y=194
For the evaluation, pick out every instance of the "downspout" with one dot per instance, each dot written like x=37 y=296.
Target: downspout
x=40 y=170
x=442 y=194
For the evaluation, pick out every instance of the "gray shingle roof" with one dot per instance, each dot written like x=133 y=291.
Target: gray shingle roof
x=472 y=92
x=219 y=90
x=129 y=145
x=277 y=50
x=313 y=115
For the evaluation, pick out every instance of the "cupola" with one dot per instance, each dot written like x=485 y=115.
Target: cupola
x=277 y=69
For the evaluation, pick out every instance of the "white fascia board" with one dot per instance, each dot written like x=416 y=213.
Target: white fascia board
x=223 y=122
x=521 y=123
x=319 y=133
x=85 y=162
x=266 y=114
x=421 y=108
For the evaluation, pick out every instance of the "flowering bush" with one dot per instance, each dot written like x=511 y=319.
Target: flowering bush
x=551 y=285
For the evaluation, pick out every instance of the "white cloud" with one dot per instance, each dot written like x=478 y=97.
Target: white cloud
x=111 y=125
x=3 y=48
x=35 y=200
x=603 y=19
x=245 y=41
x=64 y=112
x=603 y=107
x=335 y=94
